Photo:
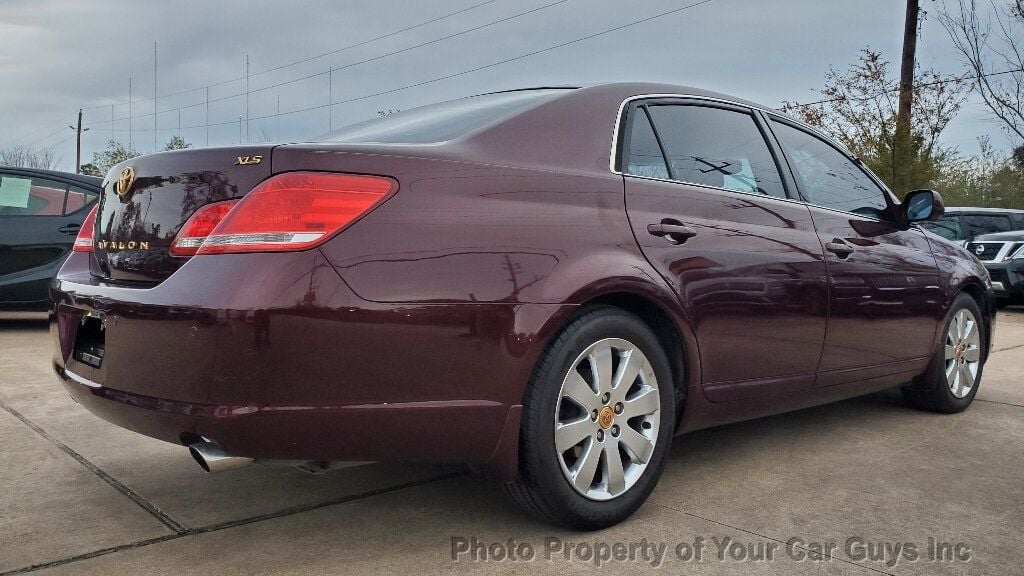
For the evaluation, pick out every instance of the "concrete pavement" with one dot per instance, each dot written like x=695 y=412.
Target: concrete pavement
x=80 y=496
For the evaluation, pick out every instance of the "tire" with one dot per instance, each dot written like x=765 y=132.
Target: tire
x=609 y=339
x=953 y=376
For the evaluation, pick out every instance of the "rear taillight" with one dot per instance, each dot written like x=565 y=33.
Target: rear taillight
x=198 y=227
x=287 y=212
x=84 y=242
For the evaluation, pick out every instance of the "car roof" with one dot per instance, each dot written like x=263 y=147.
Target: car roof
x=90 y=181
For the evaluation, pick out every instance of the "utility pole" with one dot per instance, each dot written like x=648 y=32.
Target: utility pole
x=277 y=134
x=246 y=99
x=330 y=100
x=907 y=77
x=207 y=117
x=130 y=112
x=78 y=142
x=154 y=96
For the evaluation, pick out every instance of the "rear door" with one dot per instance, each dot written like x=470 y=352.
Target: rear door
x=885 y=301
x=716 y=221
x=39 y=219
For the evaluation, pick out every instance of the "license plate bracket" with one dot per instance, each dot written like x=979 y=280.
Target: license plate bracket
x=90 y=342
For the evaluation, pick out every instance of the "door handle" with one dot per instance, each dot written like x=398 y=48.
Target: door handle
x=70 y=229
x=839 y=247
x=673 y=231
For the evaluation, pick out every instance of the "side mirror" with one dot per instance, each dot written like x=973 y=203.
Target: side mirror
x=922 y=205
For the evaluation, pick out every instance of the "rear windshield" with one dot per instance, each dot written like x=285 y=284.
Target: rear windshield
x=443 y=121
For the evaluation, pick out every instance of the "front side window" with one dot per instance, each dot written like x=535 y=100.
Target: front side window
x=716 y=147
x=978 y=224
x=26 y=196
x=948 y=227
x=829 y=178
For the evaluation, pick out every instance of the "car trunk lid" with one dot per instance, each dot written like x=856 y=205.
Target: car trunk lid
x=146 y=200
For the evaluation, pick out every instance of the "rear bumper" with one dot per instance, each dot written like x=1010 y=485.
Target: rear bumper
x=271 y=356
x=447 y=431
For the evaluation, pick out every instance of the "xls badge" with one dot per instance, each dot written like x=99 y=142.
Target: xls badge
x=124 y=182
x=248 y=160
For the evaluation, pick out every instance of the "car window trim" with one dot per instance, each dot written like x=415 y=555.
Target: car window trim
x=642 y=102
x=887 y=194
x=616 y=152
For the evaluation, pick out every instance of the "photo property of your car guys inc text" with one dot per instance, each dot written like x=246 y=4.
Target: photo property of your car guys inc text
x=493 y=286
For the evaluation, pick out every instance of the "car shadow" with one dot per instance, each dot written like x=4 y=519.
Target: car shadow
x=23 y=321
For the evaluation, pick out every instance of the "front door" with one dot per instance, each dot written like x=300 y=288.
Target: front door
x=716 y=222
x=885 y=301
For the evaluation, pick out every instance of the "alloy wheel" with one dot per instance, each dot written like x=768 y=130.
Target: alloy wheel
x=607 y=419
x=962 y=353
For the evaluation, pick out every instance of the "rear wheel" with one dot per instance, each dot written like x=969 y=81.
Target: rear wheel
x=957 y=367
x=597 y=422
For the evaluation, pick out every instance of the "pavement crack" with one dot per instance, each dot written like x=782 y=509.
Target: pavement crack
x=146 y=505
x=222 y=525
x=1007 y=348
x=998 y=402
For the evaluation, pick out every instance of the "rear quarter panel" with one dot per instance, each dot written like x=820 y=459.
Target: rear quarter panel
x=462 y=232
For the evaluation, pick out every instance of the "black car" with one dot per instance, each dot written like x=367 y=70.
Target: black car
x=1003 y=256
x=40 y=214
x=960 y=223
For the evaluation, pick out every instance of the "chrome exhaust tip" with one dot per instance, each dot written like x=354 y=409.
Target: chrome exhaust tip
x=213 y=458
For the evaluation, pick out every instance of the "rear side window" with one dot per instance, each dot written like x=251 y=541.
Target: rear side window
x=78 y=198
x=716 y=147
x=21 y=196
x=829 y=178
x=645 y=157
x=978 y=224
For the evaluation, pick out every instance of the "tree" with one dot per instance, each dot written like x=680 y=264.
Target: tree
x=91 y=169
x=115 y=153
x=993 y=50
x=177 y=143
x=859 y=107
x=28 y=157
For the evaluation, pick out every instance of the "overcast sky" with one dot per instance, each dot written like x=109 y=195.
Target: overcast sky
x=59 y=55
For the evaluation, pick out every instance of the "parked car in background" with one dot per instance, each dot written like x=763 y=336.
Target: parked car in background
x=1003 y=255
x=41 y=212
x=545 y=284
x=964 y=224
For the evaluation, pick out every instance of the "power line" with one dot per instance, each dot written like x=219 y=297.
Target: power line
x=364 y=61
x=916 y=86
x=315 y=57
x=63 y=119
x=478 y=68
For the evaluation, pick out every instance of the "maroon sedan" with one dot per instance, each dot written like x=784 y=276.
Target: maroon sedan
x=545 y=284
